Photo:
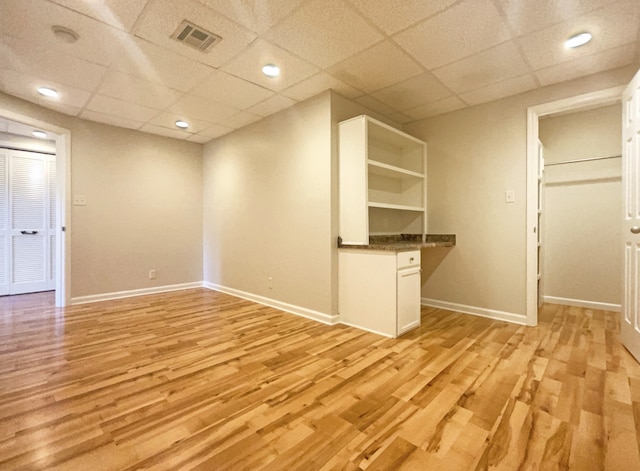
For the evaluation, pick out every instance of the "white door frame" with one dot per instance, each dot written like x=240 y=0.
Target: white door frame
x=63 y=202
x=599 y=98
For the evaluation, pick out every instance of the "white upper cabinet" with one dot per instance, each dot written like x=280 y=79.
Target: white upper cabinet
x=382 y=181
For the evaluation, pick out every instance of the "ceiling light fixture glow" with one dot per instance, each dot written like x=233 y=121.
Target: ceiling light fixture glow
x=49 y=92
x=578 y=40
x=182 y=124
x=39 y=134
x=271 y=70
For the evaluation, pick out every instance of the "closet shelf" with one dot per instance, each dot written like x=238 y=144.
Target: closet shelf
x=386 y=170
x=373 y=204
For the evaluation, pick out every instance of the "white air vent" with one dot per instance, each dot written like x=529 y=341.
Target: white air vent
x=195 y=36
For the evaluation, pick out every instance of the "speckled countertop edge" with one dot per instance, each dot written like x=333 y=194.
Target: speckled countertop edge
x=404 y=242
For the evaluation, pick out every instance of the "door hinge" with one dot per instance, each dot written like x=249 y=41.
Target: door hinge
x=64 y=229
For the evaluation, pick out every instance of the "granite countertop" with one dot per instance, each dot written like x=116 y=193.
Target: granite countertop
x=404 y=242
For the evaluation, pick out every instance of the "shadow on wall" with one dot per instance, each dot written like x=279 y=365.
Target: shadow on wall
x=431 y=259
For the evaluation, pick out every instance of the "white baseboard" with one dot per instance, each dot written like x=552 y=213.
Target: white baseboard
x=298 y=310
x=94 y=298
x=476 y=311
x=584 y=304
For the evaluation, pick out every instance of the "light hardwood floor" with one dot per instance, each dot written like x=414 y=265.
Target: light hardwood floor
x=200 y=380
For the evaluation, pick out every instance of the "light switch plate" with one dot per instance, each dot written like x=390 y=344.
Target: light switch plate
x=79 y=200
x=509 y=196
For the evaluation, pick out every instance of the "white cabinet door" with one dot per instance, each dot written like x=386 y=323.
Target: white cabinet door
x=408 y=292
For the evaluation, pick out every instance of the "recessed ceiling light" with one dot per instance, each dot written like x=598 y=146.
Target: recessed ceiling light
x=578 y=40
x=182 y=124
x=271 y=70
x=40 y=134
x=50 y=92
x=64 y=34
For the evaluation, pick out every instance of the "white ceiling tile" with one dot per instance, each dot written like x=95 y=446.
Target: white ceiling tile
x=271 y=105
x=400 y=118
x=121 y=14
x=377 y=67
x=375 y=105
x=195 y=107
x=240 y=120
x=439 y=107
x=161 y=66
x=391 y=16
x=494 y=65
x=161 y=18
x=248 y=65
x=111 y=120
x=466 y=28
x=50 y=65
x=612 y=26
x=137 y=90
x=526 y=17
x=215 y=131
x=229 y=90
x=257 y=15
x=324 y=32
x=31 y=22
x=424 y=88
x=317 y=84
x=512 y=86
x=587 y=65
x=167 y=132
x=168 y=120
x=25 y=86
x=121 y=109
x=198 y=138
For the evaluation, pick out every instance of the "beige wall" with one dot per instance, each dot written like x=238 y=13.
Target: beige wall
x=144 y=205
x=474 y=155
x=581 y=226
x=267 y=208
x=271 y=207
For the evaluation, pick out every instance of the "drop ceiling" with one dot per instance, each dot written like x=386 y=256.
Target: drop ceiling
x=405 y=59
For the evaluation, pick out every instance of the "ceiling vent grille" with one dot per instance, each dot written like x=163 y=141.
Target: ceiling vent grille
x=195 y=36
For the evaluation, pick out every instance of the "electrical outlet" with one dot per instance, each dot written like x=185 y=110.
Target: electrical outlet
x=152 y=274
x=509 y=196
x=270 y=282
x=79 y=200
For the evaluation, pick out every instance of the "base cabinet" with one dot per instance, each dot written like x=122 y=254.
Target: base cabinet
x=379 y=291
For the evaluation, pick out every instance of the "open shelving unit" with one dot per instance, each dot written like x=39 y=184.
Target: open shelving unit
x=382 y=181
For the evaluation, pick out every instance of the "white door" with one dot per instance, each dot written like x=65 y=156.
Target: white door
x=630 y=325
x=27 y=212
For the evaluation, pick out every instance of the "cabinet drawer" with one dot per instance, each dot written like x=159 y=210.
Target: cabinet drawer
x=408 y=259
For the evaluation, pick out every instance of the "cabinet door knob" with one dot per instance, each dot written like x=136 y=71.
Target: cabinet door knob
x=411 y=259
x=635 y=230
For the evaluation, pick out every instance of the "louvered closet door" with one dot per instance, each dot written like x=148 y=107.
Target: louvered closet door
x=4 y=222
x=29 y=222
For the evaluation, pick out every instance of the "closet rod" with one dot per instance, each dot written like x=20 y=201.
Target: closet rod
x=583 y=160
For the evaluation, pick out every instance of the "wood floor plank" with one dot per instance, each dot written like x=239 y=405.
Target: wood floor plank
x=198 y=379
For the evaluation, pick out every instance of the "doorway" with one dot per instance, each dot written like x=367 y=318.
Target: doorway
x=581 y=102
x=582 y=194
x=27 y=215
x=60 y=252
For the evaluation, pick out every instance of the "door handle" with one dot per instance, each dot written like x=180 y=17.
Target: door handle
x=635 y=230
x=35 y=232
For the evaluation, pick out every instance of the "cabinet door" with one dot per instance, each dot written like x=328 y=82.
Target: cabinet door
x=408 y=300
